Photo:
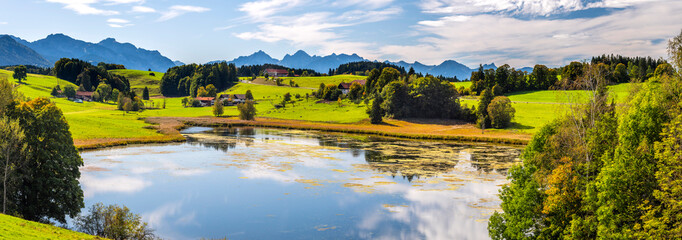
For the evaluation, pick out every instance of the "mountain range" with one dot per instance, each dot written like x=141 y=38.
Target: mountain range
x=322 y=64
x=45 y=52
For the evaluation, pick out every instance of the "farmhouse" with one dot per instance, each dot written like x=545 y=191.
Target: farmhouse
x=85 y=96
x=233 y=98
x=276 y=72
x=345 y=87
x=206 y=101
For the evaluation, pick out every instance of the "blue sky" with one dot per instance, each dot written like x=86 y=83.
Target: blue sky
x=518 y=32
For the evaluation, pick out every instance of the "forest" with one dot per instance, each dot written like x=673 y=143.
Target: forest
x=603 y=170
x=88 y=76
x=186 y=80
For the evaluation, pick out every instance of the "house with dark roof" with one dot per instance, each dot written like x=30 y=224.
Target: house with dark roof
x=85 y=96
x=345 y=87
x=232 y=98
x=276 y=72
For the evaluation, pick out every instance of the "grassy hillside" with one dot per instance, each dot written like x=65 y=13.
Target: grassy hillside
x=314 y=82
x=139 y=79
x=92 y=120
x=17 y=228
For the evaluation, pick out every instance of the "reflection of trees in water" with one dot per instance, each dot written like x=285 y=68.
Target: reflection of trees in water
x=412 y=159
x=230 y=138
x=223 y=146
x=406 y=158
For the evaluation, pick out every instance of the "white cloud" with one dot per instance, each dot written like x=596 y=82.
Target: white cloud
x=178 y=10
x=321 y=30
x=260 y=10
x=118 y=23
x=83 y=7
x=117 y=20
x=4 y=23
x=371 y=4
x=528 y=7
x=503 y=39
x=143 y=9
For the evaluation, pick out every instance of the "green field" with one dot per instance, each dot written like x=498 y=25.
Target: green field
x=139 y=79
x=92 y=120
x=462 y=84
x=17 y=228
x=314 y=82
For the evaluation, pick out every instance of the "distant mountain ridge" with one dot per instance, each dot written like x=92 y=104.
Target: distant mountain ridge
x=56 y=46
x=322 y=64
x=15 y=53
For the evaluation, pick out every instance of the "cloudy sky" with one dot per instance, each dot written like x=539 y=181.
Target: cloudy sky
x=518 y=32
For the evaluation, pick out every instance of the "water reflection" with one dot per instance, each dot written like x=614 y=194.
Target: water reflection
x=250 y=183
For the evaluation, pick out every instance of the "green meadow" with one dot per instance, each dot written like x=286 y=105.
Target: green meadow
x=91 y=120
x=17 y=228
x=314 y=82
x=461 y=84
x=139 y=79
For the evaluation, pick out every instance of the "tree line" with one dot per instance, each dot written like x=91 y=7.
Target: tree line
x=87 y=76
x=187 y=79
x=363 y=67
x=258 y=70
x=602 y=171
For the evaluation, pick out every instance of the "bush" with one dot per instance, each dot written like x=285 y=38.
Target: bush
x=247 y=111
x=218 y=109
x=248 y=94
x=55 y=91
x=114 y=222
x=69 y=92
x=500 y=112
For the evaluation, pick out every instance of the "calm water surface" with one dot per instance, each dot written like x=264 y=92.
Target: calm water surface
x=279 y=184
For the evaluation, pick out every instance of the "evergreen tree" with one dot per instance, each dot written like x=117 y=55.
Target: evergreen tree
x=145 y=93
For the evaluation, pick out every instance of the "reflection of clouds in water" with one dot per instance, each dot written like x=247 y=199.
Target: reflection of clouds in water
x=167 y=217
x=123 y=184
x=431 y=215
x=449 y=214
x=261 y=172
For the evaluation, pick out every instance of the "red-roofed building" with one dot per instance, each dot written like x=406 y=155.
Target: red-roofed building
x=85 y=96
x=276 y=72
x=206 y=101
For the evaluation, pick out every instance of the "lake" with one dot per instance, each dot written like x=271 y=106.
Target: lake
x=254 y=183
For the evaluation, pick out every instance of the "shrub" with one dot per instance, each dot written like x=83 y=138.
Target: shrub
x=248 y=94
x=114 y=222
x=500 y=112
x=247 y=111
x=55 y=91
x=69 y=92
x=218 y=109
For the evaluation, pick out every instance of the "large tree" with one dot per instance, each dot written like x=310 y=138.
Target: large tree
x=19 y=73
x=11 y=146
x=49 y=181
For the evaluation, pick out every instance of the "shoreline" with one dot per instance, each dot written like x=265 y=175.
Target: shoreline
x=438 y=130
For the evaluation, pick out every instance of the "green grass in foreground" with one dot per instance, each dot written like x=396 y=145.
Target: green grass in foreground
x=17 y=228
x=139 y=79
x=314 y=82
